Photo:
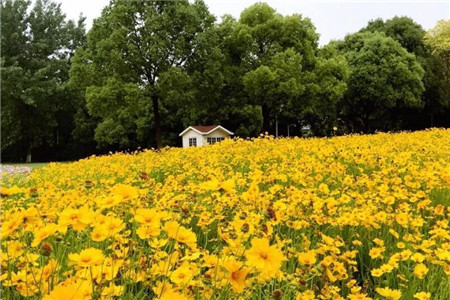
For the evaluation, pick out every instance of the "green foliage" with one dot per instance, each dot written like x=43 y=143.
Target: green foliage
x=276 y=57
x=384 y=78
x=327 y=88
x=37 y=44
x=436 y=96
x=130 y=49
x=404 y=30
x=149 y=69
x=438 y=39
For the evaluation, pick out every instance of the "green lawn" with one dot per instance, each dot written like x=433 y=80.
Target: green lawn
x=31 y=165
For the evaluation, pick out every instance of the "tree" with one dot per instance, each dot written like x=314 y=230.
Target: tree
x=130 y=49
x=36 y=48
x=275 y=55
x=327 y=88
x=275 y=84
x=411 y=36
x=404 y=30
x=217 y=77
x=384 y=78
x=438 y=39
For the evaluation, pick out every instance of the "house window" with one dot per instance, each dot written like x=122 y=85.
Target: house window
x=192 y=142
x=213 y=140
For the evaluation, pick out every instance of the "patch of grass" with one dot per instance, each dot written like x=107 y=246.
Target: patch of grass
x=440 y=196
x=31 y=165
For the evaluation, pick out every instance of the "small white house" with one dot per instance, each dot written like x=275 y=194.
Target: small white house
x=203 y=135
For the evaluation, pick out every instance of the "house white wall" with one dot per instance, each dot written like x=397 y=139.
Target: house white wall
x=192 y=134
x=202 y=139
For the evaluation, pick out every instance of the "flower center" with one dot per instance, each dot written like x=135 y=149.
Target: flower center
x=235 y=275
x=85 y=259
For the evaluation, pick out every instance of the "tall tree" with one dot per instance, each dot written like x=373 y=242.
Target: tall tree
x=384 y=78
x=326 y=89
x=411 y=36
x=402 y=29
x=277 y=54
x=130 y=48
x=438 y=39
x=36 y=47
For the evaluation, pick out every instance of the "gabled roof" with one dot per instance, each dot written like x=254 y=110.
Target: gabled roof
x=204 y=130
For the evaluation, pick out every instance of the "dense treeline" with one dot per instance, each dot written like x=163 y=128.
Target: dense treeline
x=148 y=69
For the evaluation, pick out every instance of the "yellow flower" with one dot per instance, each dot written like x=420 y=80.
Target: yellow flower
x=146 y=232
x=78 y=218
x=376 y=272
x=88 y=257
x=307 y=258
x=182 y=275
x=376 y=252
x=237 y=274
x=417 y=257
x=10 y=191
x=386 y=268
x=99 y=234
x=43 y=233
x=307 y=295
x=157 y=243
x=402 y=219
x=388 y=293
x=378 y=242
x=265 y=258
x=14 y=249
x=358 y=297
x=330 y=275
x=10 y=225
x=289 y=201
x=181 y=234
x=127 y=192
x=357 y=243
x=420 y=270
x=422 y=296
x=148 y=217
x=394 y=233
x=107 y=202
x=173 y=295
x=70 y=291
x=27 y=289
x=112 y=290
x=401 y=245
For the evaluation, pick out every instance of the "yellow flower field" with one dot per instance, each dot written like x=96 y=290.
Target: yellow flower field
x=355 y=217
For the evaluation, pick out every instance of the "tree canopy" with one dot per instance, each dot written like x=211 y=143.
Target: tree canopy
x=384 y=79
x=438 y=39
x=130 y=48
x=148 y=69
x=37 y=44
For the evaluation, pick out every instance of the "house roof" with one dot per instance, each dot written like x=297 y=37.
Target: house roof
x=203 y=130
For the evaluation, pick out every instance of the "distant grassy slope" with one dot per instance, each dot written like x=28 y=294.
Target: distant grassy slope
x=31 y=165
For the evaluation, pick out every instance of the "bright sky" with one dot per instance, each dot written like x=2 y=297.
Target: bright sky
x=333 y=18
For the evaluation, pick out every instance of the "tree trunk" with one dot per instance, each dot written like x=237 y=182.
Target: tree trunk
x=28 y=160
x=157 y=123
x=266 y=118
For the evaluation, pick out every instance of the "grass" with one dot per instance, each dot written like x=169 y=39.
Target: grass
x=31 y=165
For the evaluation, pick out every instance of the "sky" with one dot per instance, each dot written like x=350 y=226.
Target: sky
x=333 y=19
